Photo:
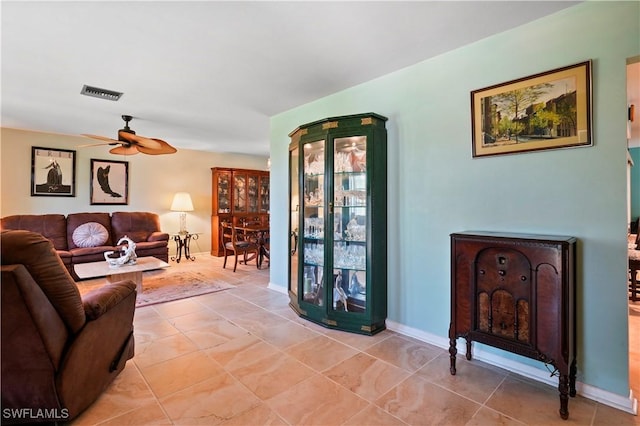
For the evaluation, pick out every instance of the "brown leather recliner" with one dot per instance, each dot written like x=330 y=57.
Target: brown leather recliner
x=59 y=350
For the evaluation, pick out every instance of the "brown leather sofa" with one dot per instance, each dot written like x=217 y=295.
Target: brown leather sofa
x=59 y=350
x=143 y=228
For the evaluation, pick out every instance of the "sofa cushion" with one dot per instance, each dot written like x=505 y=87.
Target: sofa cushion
x=90 y=234
x=52 y=226
x=138 y=226
x=74 y=220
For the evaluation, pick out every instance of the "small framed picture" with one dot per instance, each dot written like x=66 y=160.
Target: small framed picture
x=109 y=182
x=53 y=172
x=549 y=110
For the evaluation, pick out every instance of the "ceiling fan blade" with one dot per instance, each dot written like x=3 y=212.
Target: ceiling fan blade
x=124 y=150
x=102 y=138
x=165 y=148
x=139 y=140
x=87 y=145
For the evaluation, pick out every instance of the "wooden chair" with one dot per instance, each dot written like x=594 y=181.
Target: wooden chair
x=233 y=245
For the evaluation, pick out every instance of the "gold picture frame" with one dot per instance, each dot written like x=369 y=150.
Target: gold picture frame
x=549 y=110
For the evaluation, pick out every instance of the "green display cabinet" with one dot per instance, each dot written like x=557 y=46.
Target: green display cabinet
x=338 y=225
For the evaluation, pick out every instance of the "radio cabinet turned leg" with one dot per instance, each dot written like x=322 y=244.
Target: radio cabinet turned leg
x=563 y=387
x=452 y=354
x=572 y=378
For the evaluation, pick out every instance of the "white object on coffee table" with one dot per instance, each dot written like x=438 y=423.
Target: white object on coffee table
x=124 y=272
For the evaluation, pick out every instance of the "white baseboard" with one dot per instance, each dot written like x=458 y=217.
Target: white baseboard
x=278 y=288
x=629 y=405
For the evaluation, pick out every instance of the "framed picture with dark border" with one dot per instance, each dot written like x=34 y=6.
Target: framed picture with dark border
x=53 y=172
x=109 y=182
x=549 y=110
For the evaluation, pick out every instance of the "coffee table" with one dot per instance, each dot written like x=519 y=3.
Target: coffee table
x=119 y=273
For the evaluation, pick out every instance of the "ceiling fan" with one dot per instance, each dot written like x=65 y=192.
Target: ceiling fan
x=131 y=144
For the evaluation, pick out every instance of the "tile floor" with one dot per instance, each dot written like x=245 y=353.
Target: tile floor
x=242 y=357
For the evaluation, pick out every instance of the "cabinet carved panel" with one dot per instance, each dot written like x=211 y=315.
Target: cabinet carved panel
x=516 y=292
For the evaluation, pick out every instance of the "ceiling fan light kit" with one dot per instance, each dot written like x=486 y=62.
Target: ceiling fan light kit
x=131 y=144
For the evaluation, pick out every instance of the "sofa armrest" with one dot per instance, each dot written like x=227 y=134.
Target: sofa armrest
x=158 y=236
x=100 y=350
x=101 y=300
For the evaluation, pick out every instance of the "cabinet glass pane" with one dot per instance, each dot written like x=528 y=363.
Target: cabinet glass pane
x=294 y=208
x=350 y=224
x=252 y=193
x=239 y=193
x=264 y=194
x=313 y=222
x=224 y=197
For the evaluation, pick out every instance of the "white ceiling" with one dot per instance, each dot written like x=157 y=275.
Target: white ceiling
x=208 y=75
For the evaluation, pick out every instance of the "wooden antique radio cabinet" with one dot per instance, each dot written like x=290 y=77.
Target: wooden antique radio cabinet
x=239 y=195
x=516 y=292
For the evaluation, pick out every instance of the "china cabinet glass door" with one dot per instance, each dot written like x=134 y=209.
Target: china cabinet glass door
x=264 y=194
x=224 y=197
x=240 y=193
x=349 y=224
x=313 y=223
x=252 y=193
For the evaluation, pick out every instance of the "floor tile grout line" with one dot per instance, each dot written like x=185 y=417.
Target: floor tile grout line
x=157 y=400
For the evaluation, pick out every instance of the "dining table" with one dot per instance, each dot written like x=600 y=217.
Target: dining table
x=260 y=234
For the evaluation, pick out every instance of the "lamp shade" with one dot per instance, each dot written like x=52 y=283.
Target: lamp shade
x=182 y=202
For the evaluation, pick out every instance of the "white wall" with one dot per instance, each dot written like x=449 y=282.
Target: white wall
x=436 y=187
x=152 y=181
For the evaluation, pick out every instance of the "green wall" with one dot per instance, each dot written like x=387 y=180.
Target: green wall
x=436 y=187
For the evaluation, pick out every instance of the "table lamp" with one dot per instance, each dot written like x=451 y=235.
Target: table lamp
x=182 y=203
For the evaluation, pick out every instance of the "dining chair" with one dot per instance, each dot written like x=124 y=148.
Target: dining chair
x=260 y=237
x=233 y=245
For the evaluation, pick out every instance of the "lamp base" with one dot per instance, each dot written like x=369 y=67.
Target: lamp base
x=183 y=223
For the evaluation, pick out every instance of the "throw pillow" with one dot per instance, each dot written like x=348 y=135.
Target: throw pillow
x=90 y=234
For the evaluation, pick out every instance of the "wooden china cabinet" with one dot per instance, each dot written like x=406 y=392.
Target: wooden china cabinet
x=338 y=226
x=517 y=292
x=238 y=195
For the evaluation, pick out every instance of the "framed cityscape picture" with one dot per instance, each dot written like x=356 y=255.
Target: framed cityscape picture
x=53 y=172
x=549 y=110
x=109 y=182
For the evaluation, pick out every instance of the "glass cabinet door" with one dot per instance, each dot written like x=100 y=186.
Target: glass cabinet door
x=349 y=224
x=264 y=194
x=313 y=223
x=252 y=193
x=239 y=193
x=224 y=195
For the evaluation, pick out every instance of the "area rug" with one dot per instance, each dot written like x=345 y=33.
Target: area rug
x=167 y=286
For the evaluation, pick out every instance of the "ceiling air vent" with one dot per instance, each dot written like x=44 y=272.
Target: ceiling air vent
x=97 y=92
